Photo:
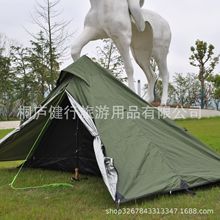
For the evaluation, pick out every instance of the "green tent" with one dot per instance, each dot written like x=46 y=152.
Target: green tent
x=113 y=132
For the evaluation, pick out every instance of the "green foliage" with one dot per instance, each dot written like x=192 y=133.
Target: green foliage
x=40 y=62
x=28 y=74
x=7 y=84
x=31 y=66
x=203 y=58
x=159 y=89
x=23 y=75
x=109 y=57
x=215 y=79
x=5 y=76
x=186 y=89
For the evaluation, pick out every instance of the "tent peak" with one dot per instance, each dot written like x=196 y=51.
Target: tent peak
x=77 y=68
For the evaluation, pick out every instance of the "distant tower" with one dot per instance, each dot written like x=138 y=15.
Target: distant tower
x=139 y=87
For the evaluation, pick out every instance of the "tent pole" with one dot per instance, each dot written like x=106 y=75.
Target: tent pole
x=76 y=175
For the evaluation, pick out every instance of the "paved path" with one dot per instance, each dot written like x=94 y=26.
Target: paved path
x=9 y=124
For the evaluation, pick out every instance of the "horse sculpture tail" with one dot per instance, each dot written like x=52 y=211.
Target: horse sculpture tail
x=135 y=10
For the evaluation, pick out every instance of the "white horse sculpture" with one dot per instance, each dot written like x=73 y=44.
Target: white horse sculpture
x=129 y=26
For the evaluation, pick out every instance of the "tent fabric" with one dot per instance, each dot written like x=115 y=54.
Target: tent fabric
x=16 y=145
x=150 y=156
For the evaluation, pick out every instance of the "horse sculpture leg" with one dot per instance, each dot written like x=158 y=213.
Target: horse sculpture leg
x=87 y=35
x=141 y=47
x=151 y=78
x=161 y=61
x=123 y=45
x=151 y=84
x=143 y=60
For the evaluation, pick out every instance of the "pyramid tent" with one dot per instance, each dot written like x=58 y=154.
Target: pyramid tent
x=136 y=155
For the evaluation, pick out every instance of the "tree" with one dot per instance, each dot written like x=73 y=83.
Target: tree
x=158 y=90
x=5 y=44
x=54 y=33
x=24 y=79
x=32 y=70
x=6 y=85
x=40 y=66
x=203 y=58
x=215 y=79
x=109 y=57
x=186 y=89
x=7 y=80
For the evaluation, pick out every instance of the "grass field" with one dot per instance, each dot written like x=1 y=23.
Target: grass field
x=4 y=132
x=89 y=199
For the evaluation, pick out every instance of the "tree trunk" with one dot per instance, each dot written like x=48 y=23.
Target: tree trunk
x=52 y=77
x=202 y=93
x=217 y=104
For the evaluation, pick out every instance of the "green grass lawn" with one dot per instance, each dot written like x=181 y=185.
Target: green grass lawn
x=89 y=199
x=4 y=132
x=207 y=130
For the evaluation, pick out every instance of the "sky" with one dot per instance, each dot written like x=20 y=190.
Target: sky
x=189 y=20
